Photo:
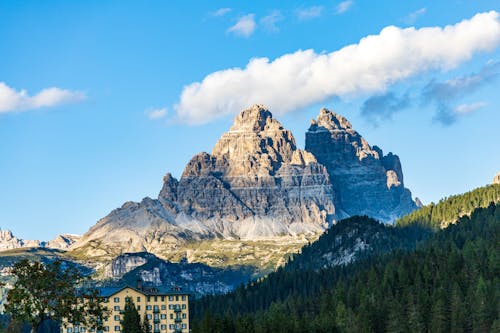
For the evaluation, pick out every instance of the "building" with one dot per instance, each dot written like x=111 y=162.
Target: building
x=167 y=311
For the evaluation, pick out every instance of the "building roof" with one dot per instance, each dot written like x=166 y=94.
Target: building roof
x=147 y=291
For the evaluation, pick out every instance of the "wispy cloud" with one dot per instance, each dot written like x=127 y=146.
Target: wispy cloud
x=344 y=6
x=154 y=114
x=309 y=13
x=12 y=100
x=244 y=27
x=296 y=80
x=469 y=108
x=221 y=12
x=268 y=22
x=412 y=17
x=382 y=107
x=444 y=94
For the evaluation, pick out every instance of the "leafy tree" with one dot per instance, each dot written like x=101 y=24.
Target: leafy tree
x=131 y=322
x=52 y=292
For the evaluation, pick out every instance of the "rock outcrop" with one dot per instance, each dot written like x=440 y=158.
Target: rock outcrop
x=496 y=179
x=8 y=241
x=257 y=185
x=365 y=181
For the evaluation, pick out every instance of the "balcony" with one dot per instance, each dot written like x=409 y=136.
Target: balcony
x=156 y=310
x=177 y=309
x=156 y=320
x=178 y=320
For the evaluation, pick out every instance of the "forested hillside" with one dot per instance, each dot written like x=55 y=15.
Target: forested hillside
x=449 y=210
x=448 y=284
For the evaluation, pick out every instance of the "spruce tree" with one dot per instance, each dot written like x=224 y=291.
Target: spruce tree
x=131 y=322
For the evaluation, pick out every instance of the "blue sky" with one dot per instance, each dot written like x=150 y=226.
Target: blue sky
x=94 y=108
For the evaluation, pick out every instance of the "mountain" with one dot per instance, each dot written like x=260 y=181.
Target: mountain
x=257 y=187
x=448 y=283
x=449 y=210
x=198 y=279
x=366 y=181
x=8 y=241
x=354 y=239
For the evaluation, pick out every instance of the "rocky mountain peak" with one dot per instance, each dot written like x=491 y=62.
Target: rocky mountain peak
x=496 y=179
x=330 y=120
x=366 y=181
x=254 y=119
x=255 y=144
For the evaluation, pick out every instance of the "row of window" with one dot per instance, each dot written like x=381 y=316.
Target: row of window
x=148 y=298
x=156 y=308
x=117 y=328
x=150 y=316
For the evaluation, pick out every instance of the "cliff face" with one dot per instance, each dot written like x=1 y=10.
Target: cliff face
x=496 y=179
x=365 y=181
x=257 y=185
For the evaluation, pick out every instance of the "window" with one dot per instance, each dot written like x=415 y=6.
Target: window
x=171 y=316
x=163 y=316
x=83 y=329
x=106 y=300
x=183 y=297
x=117 y=317
x=138 y=308
x=69 y=330
x=177 y=298
x=171 y=326
x=116 y=299
x=149 y=298
x=163 y=327
x=183 y=306
x=184 y=326
x=183 y=316
x=170 y=298
x=163 y=307
x=148 y=307
x=163 y=298
x=170 y=306
x=117 y=328
x=117 y=308
x=156 y=298
x=149 y=316
x=106 y=328
x=138 y=299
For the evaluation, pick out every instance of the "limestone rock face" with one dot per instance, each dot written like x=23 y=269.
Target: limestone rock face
x=496 y=179
x=257 y=185
x=8 y=241
x=365 y=181
x=63 y=241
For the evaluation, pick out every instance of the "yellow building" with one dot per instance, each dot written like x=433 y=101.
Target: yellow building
x=167 y=311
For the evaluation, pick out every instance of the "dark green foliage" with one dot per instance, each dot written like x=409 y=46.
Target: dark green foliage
x=131 y=322
x=146 y=325
x=44 y=292
x=449 y=210
x=449 y=283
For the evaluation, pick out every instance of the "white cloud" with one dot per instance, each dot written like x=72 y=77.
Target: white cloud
x=154 y=114
x=221 y=12
x=300 y=79
x=244 y=27
x=412 y=17
x=309 y=13
x=469 y=108
x=269 y=22
x=12 y=100
x=344 y=6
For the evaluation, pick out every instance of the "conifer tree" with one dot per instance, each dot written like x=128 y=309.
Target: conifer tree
x=131 y=322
